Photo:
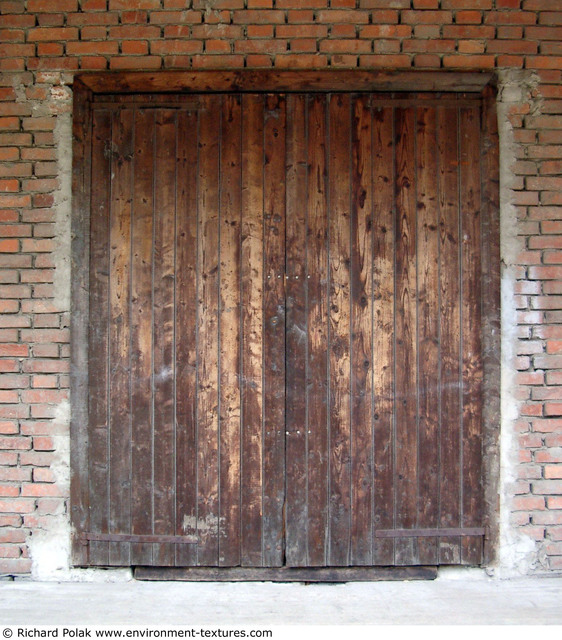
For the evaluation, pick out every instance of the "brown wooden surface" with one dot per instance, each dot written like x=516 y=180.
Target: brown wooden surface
x=186 y=333
x=297 y=347
x=252 y=368
x=384 y=311
x=287 y=574
x=428 y=328
x=274 y=330
x=449 y=284
x=222 y=81
x=491 y=322
x=471 y=316
x=141 y=339
x=339 y=328
x=361 y=441
x=164 y=266
x=79 y=371
x=99 y=336
x=317 y=333
x=287 y=362
x=230 y=332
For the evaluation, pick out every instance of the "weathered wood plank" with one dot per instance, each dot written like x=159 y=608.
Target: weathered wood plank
x=252 y=328
x=224 y=81
x=339 y=157
x=361 y=441
x=164 y=333
x=230 y=335
x=471 y=321
x=428 y=329
x=79 y=374
x=317 y=318
x=141 y=409
x=491 y=322
x=296 y=527
x=186 y=334
x=99 y=335
x=274 y=331
x=207 y=326
x=288 y=574
x=448 y=184
x=121 y=217
x=406 y=428
x=383 y=329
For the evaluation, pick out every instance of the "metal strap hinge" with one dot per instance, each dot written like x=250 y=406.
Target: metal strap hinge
x=126 y=537
x=429 y=533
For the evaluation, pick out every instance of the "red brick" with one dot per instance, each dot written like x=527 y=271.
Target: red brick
x=136 y=62
x=302 y=4
x=119 y=5
x=137 y=32
x=52 y=35
x=92 y=48
x=51 y=6
x=168 y=17
x=345 y=46
x=385 y=31
x=300 y=61
x=427 y=17
x=45 y=366
x=15 y=566
x=263 y=16
x=428 y=46
x=471 y=62
x=134 y=47
x=163 y=47
x=468 y=17
x=41 y=490
x=466 y=4
x=9 y=246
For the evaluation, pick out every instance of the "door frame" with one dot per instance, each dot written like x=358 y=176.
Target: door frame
x=88 y=85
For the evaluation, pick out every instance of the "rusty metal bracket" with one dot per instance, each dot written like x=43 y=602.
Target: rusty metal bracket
x=125 y=537
x=429 y=533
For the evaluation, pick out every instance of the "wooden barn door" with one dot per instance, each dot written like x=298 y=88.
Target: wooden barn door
x=285 y=364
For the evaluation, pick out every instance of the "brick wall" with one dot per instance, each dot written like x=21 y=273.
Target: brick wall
x=43 y=42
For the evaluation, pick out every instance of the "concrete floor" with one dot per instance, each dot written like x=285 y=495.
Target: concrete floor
x=443 y=601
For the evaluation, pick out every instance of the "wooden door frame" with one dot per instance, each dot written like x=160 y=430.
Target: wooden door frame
x=88 y=85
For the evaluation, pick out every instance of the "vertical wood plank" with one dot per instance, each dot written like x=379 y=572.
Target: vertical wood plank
x=99 y=334
x=252 y=328
x=317 y=318
x=120 y=332
x=471 y=321
x=428 y=330
x=141 y=409
x=361 y=332
x=79 y=374
x=207 y=323
x=229 y=319
x=274 y=331
x=297 y=333
x=406 y=454
x=491 y=321
x=449 y=291
x=164 y=333
x=383 y=330
x=339 y=326
x=186 y=335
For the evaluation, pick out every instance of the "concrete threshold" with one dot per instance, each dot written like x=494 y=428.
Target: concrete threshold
x=475 y=600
